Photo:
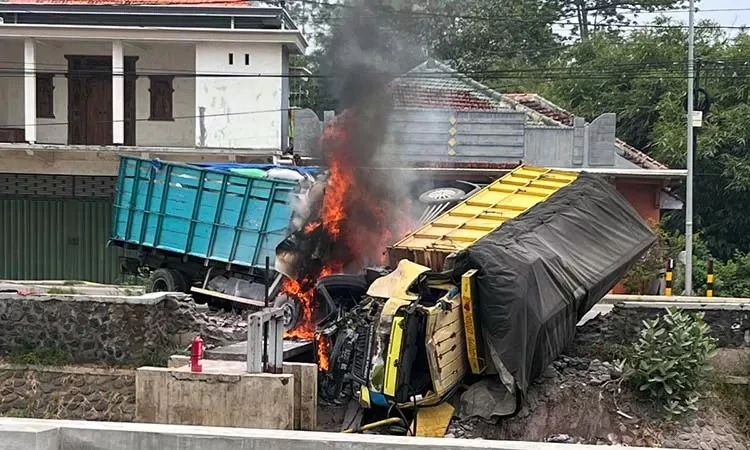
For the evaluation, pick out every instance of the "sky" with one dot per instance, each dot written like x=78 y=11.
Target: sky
x=736 y=13
x=727 y=18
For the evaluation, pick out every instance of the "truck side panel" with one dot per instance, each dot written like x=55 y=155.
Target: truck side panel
x=480 y=214
x=199 y=212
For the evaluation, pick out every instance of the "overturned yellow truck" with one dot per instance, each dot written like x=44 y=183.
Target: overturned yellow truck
x=495 y=285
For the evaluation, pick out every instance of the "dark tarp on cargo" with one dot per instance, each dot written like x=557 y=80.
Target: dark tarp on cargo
x=542 y=271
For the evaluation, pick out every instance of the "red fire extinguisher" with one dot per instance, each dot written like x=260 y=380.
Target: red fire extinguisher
x=196 y=355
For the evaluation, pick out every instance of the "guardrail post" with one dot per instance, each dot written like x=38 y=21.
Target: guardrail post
x=669 y=277
x=710 y=278
x=265 y=355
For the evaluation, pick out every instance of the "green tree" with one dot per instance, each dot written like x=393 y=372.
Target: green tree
x=475 y=36
x=590 y=15
x=641 y=77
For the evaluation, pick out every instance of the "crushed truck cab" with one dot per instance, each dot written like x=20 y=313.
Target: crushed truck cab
x=408 y=341
x=419 y=354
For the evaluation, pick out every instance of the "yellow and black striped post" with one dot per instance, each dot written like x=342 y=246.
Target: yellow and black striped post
x=710 y=278
x=669 y=276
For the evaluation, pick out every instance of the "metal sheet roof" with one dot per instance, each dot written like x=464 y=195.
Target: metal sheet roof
x=488 y=209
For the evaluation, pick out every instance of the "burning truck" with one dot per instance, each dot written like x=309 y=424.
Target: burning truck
x=495 y=285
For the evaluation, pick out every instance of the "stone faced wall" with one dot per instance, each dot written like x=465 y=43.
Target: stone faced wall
x=117 y=330
x=67 y=393
x=730 y=325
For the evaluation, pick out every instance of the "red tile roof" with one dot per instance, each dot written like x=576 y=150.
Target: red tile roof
x=417 y=96
x=548 y=109
x=434 y=85
x=208 y=3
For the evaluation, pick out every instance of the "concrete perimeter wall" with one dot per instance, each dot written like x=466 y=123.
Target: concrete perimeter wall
x=67 y=393
x=105 y=329
x=25 y=434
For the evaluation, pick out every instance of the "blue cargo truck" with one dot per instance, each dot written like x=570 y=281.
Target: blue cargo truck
x=207 y=229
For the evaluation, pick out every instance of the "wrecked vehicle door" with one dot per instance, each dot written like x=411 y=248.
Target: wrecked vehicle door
x=404 y=343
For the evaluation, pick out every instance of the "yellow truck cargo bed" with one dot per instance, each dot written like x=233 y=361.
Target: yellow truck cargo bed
x=480 y=214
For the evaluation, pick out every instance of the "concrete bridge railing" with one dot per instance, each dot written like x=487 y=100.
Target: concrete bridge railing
x=28 y=434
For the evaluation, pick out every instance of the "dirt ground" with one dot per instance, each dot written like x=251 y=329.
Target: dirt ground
x=572 y=403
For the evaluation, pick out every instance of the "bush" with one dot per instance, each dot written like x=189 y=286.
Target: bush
x=733 y=276
x=668 y=245
x=669 y=362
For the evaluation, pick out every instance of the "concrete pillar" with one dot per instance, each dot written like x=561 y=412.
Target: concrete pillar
x=29 y=89
x=305 y=395
x=118 y=94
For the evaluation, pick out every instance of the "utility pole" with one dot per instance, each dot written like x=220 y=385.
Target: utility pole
x=690 y=157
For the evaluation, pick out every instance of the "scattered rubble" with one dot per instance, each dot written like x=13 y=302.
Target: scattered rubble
x=579 y=400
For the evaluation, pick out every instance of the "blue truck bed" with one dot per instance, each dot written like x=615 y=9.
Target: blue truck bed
x=200 y=212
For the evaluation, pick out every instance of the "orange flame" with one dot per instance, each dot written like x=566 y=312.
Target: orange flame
x=310 y=227
x=340 y=182
x=324 y=362
x=358 y=240
x=304 y=291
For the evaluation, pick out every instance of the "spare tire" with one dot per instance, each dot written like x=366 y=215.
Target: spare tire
x=441 y=195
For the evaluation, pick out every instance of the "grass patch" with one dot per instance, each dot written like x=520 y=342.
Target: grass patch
x=61 y=291
x=139 y=278
x=160 y=357
x=51 y=356
x=609 y=351
x=603 y=351
x=45 y=356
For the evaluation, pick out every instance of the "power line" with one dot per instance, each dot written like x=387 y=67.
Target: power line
x=523 y=16
x=647 y=69
x=146 y=119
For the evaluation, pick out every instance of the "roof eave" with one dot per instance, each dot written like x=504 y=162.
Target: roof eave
x=664 y=174
x=227 y=11
x=292 y=38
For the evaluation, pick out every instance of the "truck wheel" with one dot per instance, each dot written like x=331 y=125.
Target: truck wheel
x=291 y=308
x=441 y=195
x=167 y=280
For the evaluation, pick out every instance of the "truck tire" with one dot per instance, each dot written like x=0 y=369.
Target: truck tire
x=292 y=310
x=187 y=281
x=167 y=280
x=441 y=195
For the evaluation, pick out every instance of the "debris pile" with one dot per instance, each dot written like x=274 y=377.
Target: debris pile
x=576 y=401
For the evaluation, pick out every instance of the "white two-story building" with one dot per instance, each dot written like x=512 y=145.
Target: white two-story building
x=204 y=75
x=82 y=81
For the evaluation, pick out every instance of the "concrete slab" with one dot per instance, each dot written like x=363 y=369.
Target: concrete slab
x=178 y=361
x=29 y=436
x=134 y=436
x=597 y=310
x=222 y=395
x=238 y=351
x=305 y=390
x=77 y=287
